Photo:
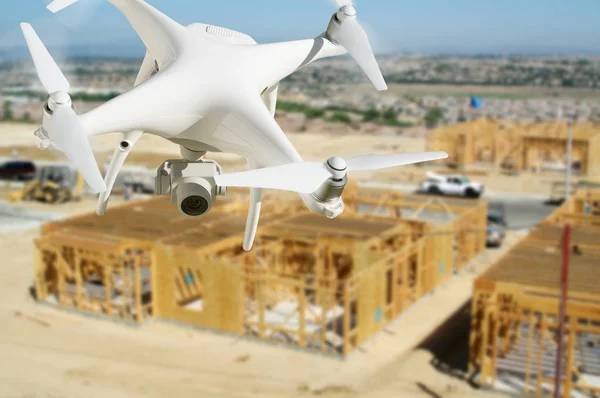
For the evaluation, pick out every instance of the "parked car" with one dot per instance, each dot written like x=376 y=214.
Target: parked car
x=18 y=170
x=140 y=183
x=496 y=227
x=453 y=185
x=138 y=179
x=494 y=236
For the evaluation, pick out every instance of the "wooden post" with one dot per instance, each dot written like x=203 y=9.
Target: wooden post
x=138 y=291
x=570 y=359
x=261 y=306
x=41 y=287
x=405 y=290
x=495 y=336
x=302 y=315
x=529 y=347
x=563 y=303
x=484 y=343
x=395 y=291
x=78 y=281
x=124 y=290
x=538 y=387
x=61 y=268
x=347 y=316
x=325 y=306
x=419 y=274
x=108 y=287
x=319 y=273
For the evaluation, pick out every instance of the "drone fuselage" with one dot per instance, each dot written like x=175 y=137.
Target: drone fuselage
x=207 y=98
x=207 y=89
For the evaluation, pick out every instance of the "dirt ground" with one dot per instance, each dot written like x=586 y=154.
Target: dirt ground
x=48 y=352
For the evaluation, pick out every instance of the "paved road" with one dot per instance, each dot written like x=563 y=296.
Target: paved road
x=522 y=210
x=522 y=213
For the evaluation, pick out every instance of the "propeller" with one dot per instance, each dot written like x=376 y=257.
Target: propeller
x=48 y=72
x=64 y=129
x=307 y=177
x=58 y=5
x=345 y=30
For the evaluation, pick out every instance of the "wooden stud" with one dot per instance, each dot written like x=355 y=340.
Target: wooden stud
x=108 y=287
x=538 y=388
x=138 y=291
x=529 y=349
x=302 y=316
x=78 y=279
x=568 y=385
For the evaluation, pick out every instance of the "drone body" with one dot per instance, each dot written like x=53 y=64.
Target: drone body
x=209 y=89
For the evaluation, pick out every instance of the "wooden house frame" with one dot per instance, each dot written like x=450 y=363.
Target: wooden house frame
x=518 y=146
x=310 y=282
x=515 y=309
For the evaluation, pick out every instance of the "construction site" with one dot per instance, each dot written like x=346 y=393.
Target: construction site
x=515 y=147
x=312 y=283
x=147 y=302
x=516 y=318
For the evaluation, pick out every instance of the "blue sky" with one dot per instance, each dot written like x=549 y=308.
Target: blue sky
x=448 y=26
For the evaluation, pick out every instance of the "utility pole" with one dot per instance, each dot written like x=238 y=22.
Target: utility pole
x=570 y=156
x=564 y=284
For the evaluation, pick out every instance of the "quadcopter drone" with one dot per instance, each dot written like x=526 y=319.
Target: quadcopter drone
x=209 y=89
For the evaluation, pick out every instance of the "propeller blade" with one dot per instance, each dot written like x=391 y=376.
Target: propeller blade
x=67 y=132
x=50 y=75
x=354 y=38
x=302 y=177
x=343 y=3
x=370 y=163
x=58 y=5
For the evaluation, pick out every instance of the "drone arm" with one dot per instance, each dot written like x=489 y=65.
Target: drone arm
x=146 y=69
x=274 y=62
x=118 y=159
x=271 y=147
x=270 y=98
x=328 y=50
x=158 y=32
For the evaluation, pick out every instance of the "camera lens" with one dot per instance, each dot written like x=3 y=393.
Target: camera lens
x=194 y=205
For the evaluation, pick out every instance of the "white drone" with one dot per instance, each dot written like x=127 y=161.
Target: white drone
x=208 y=88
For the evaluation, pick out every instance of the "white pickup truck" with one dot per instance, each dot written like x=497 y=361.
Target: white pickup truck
x=452 y=185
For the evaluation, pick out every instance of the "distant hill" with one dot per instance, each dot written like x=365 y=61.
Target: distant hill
x=95 y=50
x=136 y=50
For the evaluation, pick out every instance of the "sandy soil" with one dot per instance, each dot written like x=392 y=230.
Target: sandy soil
x=47 y=352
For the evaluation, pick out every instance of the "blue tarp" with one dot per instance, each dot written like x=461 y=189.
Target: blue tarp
x=476 y=103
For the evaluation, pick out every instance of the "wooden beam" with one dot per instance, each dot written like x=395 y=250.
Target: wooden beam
x=568 y=385
x=138 y=291
x=108 y=287
x=538 y=388
x=530 y=334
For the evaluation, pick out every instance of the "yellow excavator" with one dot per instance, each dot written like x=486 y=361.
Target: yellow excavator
x=52 y=184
